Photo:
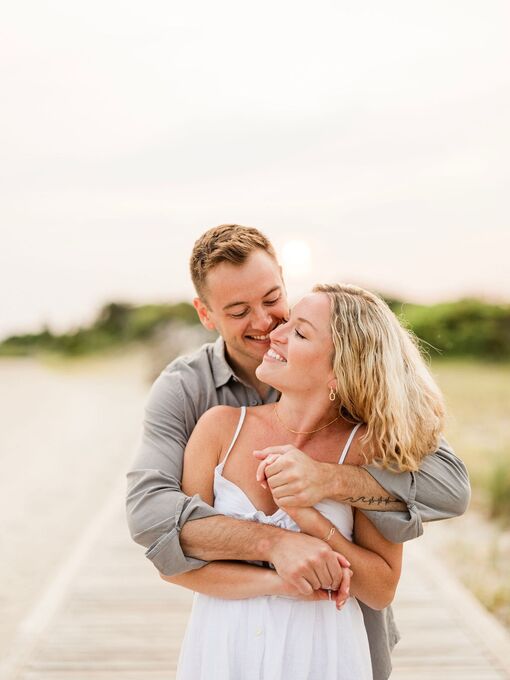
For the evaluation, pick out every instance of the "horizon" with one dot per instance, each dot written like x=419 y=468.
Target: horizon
x=93 y=315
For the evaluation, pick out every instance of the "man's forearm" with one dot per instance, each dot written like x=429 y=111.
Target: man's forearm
x=355 y=486
x=227 y=538
x=304 y=562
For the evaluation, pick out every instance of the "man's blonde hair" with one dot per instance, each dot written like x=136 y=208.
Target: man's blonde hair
x=226 y=243
x=382 y=379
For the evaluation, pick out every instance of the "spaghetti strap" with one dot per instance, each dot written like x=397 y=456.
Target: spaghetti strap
x=236 y=435
x=349 y=442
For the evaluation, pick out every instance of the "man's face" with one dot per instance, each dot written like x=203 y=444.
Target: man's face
x=244 y=304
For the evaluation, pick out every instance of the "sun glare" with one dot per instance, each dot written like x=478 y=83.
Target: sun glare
x=296 y=258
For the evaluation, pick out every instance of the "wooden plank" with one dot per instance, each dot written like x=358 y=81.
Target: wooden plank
x=118 y=621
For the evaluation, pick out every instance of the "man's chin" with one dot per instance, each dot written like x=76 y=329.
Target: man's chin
x=257 y=348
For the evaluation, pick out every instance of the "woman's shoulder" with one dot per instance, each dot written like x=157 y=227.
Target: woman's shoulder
x=358 y=450
x=222 y=420
x=220 y=416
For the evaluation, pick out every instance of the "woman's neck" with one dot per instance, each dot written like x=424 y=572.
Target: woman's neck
x=305 y=415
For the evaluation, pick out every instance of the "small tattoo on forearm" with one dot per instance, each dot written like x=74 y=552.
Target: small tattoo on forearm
x=372 y=500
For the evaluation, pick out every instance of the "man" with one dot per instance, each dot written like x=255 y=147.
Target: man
x=241 y=294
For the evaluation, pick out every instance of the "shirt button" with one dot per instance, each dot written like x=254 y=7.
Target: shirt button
x=253 y=403
x=258 y=632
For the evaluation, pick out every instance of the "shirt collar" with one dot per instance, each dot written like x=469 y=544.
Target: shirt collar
x=222 y=370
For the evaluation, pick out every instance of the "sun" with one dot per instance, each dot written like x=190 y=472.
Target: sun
x=296 y=258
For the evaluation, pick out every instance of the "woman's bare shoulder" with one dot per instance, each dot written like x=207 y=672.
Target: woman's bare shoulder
x=218 y=418
x=358 y=451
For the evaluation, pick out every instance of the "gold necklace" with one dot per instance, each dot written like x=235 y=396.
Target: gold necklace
x=308 y=432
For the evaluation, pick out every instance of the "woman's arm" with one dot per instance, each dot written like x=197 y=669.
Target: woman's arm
x=236 y=581
x=230 y=580
x=375 y=562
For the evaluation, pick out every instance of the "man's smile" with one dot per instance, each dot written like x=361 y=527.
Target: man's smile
x=259 y=338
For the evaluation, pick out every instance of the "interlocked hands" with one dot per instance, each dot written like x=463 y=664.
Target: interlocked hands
x=297 y=482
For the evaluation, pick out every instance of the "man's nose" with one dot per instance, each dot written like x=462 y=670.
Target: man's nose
x=262 y=319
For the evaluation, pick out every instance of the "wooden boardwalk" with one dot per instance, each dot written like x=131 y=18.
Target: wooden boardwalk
x=107 y=616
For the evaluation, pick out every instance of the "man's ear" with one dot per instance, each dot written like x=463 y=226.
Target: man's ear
x=203 y=314
x=283 y=280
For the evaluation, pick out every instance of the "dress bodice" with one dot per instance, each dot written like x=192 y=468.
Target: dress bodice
x=230 y=499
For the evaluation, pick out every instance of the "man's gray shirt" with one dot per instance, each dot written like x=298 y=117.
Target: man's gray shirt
x=157 y=509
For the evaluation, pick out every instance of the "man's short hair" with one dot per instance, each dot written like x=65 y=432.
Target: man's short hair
x=226 y=243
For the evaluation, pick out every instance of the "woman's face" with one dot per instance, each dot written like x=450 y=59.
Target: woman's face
x=299 y=357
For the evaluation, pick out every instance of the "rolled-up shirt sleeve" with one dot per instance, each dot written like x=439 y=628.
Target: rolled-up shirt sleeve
x=440 y=489
x=155 y=505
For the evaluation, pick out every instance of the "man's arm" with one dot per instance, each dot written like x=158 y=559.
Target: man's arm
x=179 y=531
x=156 y=507
x=440 y=489
x=396 y=503
x=296 y=480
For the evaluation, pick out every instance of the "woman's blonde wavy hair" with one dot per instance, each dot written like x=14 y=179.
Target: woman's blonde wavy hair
x=382 y=379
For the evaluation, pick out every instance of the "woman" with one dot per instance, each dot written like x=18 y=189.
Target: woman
x=353 y=389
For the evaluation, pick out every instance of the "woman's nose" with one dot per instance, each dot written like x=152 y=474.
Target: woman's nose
x=279 y=334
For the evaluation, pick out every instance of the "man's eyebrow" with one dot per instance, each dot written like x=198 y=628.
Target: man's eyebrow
x=306 y=321
x=242 y=302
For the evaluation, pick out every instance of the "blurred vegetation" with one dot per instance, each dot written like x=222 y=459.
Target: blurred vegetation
x=117 y=324
x=498 y=490
x=477 y=395
x=466 y=328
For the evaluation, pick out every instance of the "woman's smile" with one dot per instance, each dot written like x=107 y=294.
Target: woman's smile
x=273 y=355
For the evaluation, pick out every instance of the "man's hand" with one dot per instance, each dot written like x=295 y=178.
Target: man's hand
x=295 y=479
x=307 y=520
x=307 y=564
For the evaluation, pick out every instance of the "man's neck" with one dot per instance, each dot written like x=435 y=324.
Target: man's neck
x=246 y=373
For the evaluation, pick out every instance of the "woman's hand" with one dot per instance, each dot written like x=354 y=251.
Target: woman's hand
x=281 y=588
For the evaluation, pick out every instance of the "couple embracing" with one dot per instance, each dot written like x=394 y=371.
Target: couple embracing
x=283 y=466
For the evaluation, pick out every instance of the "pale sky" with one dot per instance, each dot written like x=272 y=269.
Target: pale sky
x=375 y=132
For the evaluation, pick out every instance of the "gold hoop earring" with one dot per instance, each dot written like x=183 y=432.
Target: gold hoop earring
x=332 y=394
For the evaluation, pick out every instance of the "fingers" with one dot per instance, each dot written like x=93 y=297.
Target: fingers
x=344 y=590
x=329 y=571
x=336 y=579
x=260 y=475
x=343 y=561
x=305 y=587
x=271 y=450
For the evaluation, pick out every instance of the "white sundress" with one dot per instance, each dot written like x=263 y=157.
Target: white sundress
x=270 y=637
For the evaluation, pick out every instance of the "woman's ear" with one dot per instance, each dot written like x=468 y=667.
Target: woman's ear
x=203 y=314
x=332 y=384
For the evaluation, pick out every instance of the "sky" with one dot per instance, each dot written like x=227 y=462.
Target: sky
x=374 y=134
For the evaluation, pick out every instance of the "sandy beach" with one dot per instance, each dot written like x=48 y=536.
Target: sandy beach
x=69 y=430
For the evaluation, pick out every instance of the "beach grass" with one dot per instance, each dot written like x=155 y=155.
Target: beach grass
x=477 y=546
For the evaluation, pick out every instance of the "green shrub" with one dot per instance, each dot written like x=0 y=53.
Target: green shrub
x=498 y=491
x=117 y=324
x=467 y=328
